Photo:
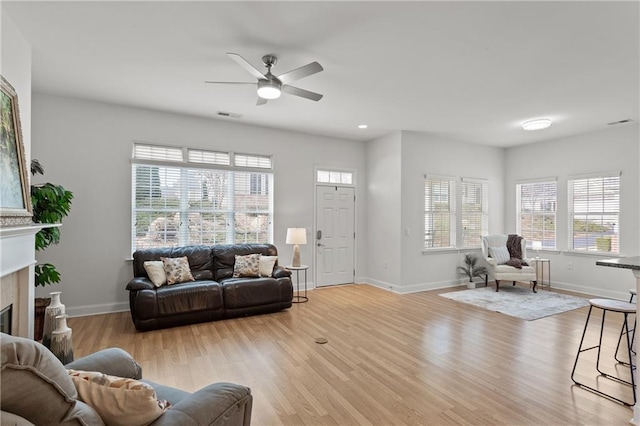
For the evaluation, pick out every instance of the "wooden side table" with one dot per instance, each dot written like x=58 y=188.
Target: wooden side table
x=297 y=298
x=540 y=267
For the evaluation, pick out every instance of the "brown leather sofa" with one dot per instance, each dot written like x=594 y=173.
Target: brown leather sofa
x=214 y=294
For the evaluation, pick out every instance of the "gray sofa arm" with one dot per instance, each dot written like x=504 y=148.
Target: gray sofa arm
x=217 y=404
x=112 y=361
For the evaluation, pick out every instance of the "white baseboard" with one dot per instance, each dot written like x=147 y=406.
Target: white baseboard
x=601 y=292
x=413 y=288
x=106 y=308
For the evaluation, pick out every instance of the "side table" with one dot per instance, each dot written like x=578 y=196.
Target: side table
x=297 y=298
x=540 y=267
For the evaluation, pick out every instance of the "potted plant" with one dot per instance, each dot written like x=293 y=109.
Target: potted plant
x=51 y=204
x=471 y=269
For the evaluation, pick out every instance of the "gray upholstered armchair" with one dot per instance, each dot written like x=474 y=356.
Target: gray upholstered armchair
x=37 y=389
x=502 y=271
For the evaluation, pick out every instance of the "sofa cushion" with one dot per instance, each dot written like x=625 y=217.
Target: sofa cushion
x=188 y=297
x=199 y=257
x=248 y=292
x=155 y=271
x=119 y=401
x=247 y=266
x=266 y=265
x=32 y=376
x=224 y=256
x=177 y=269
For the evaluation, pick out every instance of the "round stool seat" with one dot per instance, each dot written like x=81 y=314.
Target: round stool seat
x=632 y=291
x=613 y=305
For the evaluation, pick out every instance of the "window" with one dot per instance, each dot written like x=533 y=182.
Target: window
x=536 y=204
x=594 y=213
x=334 y=176
x=192 y=202
x=439 y=213
x=475 y=215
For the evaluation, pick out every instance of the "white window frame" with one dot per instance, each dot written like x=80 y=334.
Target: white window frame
x=592 y=210
x=338 y=176
x=430 y=213
x=466 y=213
x=538 y=234
x=152 y=157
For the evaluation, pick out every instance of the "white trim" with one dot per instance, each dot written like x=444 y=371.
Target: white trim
x=614 y=173
x=537 y=180
x=440 y=177
x=103 y=308
x=472 y=179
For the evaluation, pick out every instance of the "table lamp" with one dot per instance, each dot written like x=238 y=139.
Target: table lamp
x=536 y=246
x=296 y=236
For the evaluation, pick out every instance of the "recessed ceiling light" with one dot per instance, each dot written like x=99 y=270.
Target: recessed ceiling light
x=538 y=124
x=362 y=126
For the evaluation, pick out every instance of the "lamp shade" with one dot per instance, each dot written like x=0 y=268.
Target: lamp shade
x=296 y=236
x=536 y=245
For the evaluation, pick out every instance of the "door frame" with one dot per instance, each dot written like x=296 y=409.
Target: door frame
x=317 y=184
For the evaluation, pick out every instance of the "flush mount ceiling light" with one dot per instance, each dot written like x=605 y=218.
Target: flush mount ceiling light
x=362 y=126
x=537 y=124
x=268 y=89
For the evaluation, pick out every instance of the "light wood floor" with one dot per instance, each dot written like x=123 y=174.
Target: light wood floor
x=391 y=359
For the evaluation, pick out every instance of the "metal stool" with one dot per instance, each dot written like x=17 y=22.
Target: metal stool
x=632 y=291
x=607 y=305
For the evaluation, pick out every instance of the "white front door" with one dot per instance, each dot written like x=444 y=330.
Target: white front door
x=335 y=235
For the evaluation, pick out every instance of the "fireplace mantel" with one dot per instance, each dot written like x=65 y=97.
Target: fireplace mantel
x=17 y=263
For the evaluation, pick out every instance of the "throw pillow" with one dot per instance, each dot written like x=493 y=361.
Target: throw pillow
x=499 y=254
x=177 y=269
x=247 y=266
x=119 y=401
x=266 y=265
x=155 y=270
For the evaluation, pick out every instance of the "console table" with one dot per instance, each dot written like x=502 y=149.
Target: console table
x=632 y=263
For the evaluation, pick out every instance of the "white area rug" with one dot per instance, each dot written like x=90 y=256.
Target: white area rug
x=518 y=301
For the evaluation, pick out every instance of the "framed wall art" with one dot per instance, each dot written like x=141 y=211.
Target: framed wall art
x=15 y=197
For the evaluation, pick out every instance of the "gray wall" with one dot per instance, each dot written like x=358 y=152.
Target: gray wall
x=86 y=147
x=612 y=149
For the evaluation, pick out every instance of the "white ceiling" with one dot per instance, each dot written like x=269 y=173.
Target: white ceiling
x=472 y=71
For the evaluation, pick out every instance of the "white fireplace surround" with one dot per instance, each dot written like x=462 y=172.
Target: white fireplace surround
x=17 y=263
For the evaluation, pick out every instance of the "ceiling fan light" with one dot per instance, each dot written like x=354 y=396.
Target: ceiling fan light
x=268 y=90
x=538 y=124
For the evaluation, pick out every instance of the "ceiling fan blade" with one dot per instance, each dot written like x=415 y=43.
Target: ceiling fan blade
x=261 y=101
x=229 y=82
x=301 y=92
x=301 y=72
x=247 y=66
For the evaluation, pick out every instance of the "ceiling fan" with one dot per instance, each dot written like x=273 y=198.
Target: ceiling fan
x=269 y=85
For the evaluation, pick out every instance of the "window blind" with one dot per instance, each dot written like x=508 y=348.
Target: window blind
x=155 y=152
x=440 y=213
x=595 y=211
x=475 y=214
x=181 y=205
x=208 y=157
x=255 y=161
x=537 y=207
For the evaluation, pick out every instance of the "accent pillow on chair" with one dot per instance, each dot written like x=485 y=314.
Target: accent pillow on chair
x=119 y=401
x=500 y=254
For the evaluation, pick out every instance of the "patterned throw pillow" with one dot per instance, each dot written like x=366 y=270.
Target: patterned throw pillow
x=119 y=401
x=247 y=266
x=500 y=254
x=177 y=269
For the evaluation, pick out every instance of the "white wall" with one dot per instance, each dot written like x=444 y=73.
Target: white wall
x=15 y=67
x=384 y=169
x=615 y=148
x=429 y=154
x=86 y=147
